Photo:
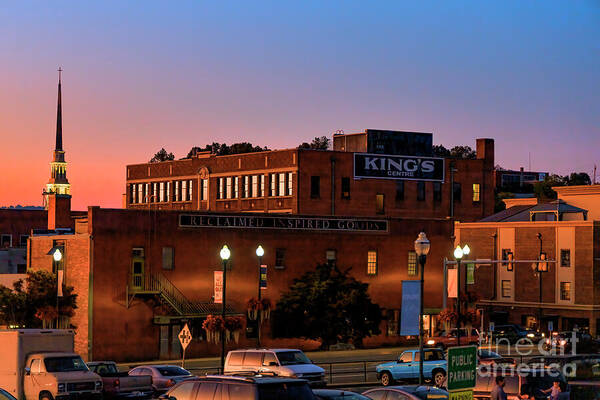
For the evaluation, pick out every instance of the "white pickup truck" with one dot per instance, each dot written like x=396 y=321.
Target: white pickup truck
x=40 y=364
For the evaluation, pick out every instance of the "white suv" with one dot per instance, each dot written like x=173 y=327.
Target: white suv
x=291 y=363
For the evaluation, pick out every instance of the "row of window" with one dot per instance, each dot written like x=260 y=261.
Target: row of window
x=6 y=240
x=565 y=257
x=315 y=190
x=280 y=184
x=160 y=192
x=565 y=290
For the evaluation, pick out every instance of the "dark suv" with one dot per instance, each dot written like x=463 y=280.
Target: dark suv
x=221 y=387
x=512 y=333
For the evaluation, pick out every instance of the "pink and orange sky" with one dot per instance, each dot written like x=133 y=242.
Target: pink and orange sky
x=141 y=76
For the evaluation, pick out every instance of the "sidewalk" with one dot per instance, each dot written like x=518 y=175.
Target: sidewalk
x=377 y=354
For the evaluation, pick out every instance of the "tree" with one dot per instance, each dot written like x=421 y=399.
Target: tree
x=465 y=152
x=578 y=178
x=318 y=143
x=161 y=156
x=222 y=149
x=34 y=305
x=440 y=151
x=327 y=304
x=543 y=190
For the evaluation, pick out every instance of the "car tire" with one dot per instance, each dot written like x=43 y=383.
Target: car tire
x=387 y=379
x=45 y=396
x=438 y=378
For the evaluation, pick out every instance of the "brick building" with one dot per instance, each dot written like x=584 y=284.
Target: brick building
x=567 y=232
x=319 y=182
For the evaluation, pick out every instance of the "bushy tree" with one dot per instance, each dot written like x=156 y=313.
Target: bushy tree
x=222 y=149
x=465 y=152
x=440 y=151
x=34 y=304
x=161 y=156
x=318 y=143
x=327 y=304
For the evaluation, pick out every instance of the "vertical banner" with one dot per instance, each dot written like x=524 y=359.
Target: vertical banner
x=263 y=276
x=470 y=274
x=218 y=283
x=411 y=307
x=452 y=288
x=59 y=292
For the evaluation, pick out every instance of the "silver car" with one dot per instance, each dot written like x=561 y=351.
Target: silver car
x=163 y=376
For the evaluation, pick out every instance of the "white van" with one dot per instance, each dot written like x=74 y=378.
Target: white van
x=290 y=363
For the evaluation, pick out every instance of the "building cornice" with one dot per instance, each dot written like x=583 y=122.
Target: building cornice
x=522 y=224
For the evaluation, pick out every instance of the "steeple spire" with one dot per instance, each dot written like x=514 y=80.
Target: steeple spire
x=59 y=115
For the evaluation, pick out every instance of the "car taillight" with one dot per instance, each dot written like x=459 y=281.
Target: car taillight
x=170 y=382
x=116 y=382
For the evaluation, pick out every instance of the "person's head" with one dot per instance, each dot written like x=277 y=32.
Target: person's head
x=500 y=380
x=556 y=384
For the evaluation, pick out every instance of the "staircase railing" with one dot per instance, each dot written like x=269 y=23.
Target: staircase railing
x=160 y=285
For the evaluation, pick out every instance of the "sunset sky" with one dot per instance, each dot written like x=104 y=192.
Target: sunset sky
x=139 y=76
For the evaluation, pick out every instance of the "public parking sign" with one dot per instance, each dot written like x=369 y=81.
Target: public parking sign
x=462 y=367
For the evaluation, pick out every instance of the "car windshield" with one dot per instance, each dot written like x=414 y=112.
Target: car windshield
x=104 y=368
x=292 y=357
x=172 y=371
x=65 y=364
x=285 y=391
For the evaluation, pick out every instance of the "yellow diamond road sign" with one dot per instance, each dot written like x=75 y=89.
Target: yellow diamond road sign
x=185 y=337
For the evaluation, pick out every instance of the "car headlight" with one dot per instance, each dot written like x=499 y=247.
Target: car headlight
x=430 y=342
x=530 y=335
x=563 y=342
x=98 y=385
x=548 y=341
x=61 y=387
x=543 y=334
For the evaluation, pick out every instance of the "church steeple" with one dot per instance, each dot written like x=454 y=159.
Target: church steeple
x=58 y=183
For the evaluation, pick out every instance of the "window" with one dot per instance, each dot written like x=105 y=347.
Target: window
x=236 y=187
x=161 y=192
x=331 y=256
x=262 y=186
x=289 y=184
x=345 y=188
x=246 y=191
x=372 y=262
x=168 y=258
x=254 y=189
x=183 y=190
x=506 y=288
x=437 y=191
x=565 y=257
x=456 y=192
x=406 y=357
x=412 y=263
x=421 y=191
x=235 y=358
x=282 y=184
x=252 y=359
x=204 y=192
x=23 y=240
x=239 y=392
x=140 y=196
x=228 y=187
x=221 y=185
x=476 y=193
x=189 y=192
x=379 y=203
x=279 y=258
x=132 y=193
x=315 y=187
x=154 y=192
x=273 y=184
x=565 y=291
x=183 y=391
x=168 y=193
x=399 y=190
x=6 y=240
x=269 y=358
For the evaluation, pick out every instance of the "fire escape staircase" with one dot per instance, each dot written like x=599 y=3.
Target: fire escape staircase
x=157 y=285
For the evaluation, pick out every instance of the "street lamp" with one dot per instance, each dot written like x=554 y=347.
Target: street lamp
x=541 y=267
x=458 y=255
x=422 y=246
x=57 y=255
x=260 y=252
x=225 y=253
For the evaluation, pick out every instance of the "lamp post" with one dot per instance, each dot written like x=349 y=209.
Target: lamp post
x=57 y=256
x=541 y=268
x=422 y=246
x=458 y=255
x=225 y=253
x=260 y=252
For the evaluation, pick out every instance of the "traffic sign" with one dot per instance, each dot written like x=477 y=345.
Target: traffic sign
x=462 y=395
x=185 y=337
x=492 y=326
x=462 y=367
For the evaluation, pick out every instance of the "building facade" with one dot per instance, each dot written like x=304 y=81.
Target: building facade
x=564 y=234
x=315 y=182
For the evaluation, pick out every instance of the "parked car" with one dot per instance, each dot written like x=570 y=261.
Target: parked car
x=488 y=357
x=575 y=367
x=330 y=394
x=217 y=387
x=121 y=384
x=291 y=363
x=521 y=382
x=410 y=392
x=512 y=333
x=4 y=395
x=163 y=376
x=407 y=367
x=562 y=342
x=447 y=339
